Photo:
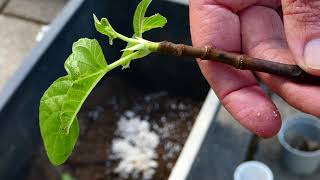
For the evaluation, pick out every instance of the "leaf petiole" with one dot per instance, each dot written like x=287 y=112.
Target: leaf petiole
x=121 y=61
x=126 y=39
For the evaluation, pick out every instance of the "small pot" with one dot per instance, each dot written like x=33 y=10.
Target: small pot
x=300 y=139
x=252 y=170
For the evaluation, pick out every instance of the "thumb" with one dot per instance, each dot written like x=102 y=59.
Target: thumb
x=302 y=26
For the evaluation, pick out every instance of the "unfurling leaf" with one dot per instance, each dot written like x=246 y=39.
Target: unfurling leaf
x=142 y=24
x=152 y=22
x=86 y=59
x=126 y=53
x=105 y=28
x=140 y=54
x=64 y=98
x=139 y=17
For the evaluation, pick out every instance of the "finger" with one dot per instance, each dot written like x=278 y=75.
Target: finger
x=242 y=4
x=263 y=37
x=302 y=26
x=212 y=24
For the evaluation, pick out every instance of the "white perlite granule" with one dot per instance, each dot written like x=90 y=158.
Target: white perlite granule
x=135 y=147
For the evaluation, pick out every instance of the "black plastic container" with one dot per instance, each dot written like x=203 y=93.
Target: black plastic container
x=19 y=101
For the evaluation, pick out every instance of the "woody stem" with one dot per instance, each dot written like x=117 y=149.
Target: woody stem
x=238 y=61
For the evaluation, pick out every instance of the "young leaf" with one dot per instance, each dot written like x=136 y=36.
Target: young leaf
x=86 y=66
x=105 y=28
x=87 y=58
x=58 y=145
x=126 y=53
x=140 y=54
x=76 y=96
x=139 y=16
x=142 y=24
x=140 y=51
x=155 y=21
x=63 y=99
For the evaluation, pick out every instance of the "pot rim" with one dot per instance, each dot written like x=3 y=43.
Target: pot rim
x=254 y=164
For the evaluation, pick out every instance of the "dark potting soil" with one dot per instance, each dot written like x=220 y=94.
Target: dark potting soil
x=304 y=144
x=171 y=117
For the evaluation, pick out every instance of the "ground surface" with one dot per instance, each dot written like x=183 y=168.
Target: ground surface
x=20 y=22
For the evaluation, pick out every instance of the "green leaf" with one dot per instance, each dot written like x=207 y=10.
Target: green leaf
x=139 y=17
x=64 y=98
x=126 y=53
x=155 y=21
x=76 y=96
x=131 y=48
x=86 y=66
x=142 y=24
x=140 y=54
x=103 y=26
x=87 y=58
x=58 y=145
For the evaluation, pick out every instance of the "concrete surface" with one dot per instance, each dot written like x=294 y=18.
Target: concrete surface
x=39 y=10
x=2 y=3
x=226 y=146
x=17 y=39
x=20 y=22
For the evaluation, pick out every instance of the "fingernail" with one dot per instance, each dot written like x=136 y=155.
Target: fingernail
x=312 y=54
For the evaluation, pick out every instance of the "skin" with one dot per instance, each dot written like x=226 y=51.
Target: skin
x=255 y=27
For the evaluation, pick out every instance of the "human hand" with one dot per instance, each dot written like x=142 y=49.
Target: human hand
x=255 y=28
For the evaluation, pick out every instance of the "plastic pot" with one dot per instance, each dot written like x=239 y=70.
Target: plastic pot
x=252 y=170
x=297 y=136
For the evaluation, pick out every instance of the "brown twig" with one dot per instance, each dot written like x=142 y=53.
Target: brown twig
x=239 y=61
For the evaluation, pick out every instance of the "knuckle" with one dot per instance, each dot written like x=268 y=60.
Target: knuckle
x=303 y=11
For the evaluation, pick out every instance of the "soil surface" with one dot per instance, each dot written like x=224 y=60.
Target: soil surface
x=171 y=117
x=304 y=144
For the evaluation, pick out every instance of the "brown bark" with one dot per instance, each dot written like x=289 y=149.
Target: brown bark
x=239 y=61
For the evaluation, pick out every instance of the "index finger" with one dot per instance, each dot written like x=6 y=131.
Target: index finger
x=216 y=25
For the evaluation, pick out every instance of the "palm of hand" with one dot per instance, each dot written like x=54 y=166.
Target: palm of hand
x=255 y=29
